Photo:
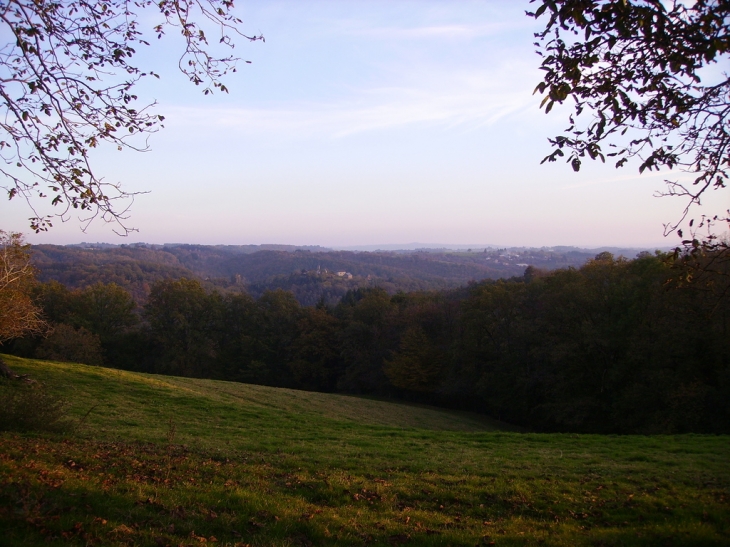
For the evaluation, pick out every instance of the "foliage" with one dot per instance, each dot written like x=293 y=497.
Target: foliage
x=68 y=86
x=316 y=362
x=366 y=339
x=74 y=345
x=31 y=407
x=609 y=347
x=92 y=325
x=254 y=465
x=417 y=364
x=616 y=346
x=183 y=320
x=237 y=268
x=106 y=310
x=18 y=314
x=642 y=67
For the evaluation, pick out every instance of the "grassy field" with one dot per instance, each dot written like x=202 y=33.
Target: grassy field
x=155 y=460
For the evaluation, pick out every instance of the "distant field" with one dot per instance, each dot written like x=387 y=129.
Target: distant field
x=172 y=461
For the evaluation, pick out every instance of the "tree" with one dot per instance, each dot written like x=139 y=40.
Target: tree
x=316 y=361
x=71 y=345
x=18 y=314
x=417 y=365
x=185 y=321
x=105 y=310
x=640 y=67
x=366 y=338
x=67 y=81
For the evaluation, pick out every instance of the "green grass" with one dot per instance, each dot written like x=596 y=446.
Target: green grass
x=158 y=460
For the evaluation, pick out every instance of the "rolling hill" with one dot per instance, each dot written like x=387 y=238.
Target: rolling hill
x=155 y=460
x=310 y=273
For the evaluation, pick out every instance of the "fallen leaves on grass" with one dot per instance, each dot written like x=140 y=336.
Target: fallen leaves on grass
x=116 y=493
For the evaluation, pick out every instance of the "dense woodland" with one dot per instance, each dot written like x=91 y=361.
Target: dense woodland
x=616 y=345
x=310 y=273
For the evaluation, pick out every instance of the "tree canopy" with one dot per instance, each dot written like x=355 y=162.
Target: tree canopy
x=18 y=314
x=650 y=75
x=614 y=346
x=67 y=84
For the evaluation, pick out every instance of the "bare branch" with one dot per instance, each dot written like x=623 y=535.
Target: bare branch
x=634 y=71
x=67 y=86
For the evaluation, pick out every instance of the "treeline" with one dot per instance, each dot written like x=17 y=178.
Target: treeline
x=133 y=269
x=136 y=268
x=621 y=346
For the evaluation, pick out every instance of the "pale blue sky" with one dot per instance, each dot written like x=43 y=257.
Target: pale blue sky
x=369 y=122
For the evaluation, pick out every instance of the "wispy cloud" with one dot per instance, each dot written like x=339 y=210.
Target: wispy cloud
x=428 y=31
x=469 y=100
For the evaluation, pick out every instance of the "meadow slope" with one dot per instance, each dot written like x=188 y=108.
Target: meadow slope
x=157 y=460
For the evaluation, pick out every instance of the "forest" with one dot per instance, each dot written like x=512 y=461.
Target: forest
x=612 y=346
x=308 y=272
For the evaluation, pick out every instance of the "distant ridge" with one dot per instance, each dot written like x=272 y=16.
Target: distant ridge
x=628 y=252
x=311 y=273
x=414 y=247
x=235 y=249
x=248 y=249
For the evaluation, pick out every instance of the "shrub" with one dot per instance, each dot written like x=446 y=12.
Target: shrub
x=31 y=407
x=71 y=345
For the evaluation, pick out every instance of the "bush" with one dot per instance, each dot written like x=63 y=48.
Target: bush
x=31 y=407
x=71 y=345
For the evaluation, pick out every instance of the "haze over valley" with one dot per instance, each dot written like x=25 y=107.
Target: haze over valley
x=311 y=273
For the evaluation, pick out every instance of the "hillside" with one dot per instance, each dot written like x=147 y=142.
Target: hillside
x=310 y=273
x=133 y=404
x=609 y=347
x=170 y=461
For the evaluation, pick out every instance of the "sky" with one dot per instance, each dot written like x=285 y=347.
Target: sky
x=365 y=123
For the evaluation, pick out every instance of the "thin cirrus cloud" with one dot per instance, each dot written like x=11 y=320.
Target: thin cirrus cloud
x=429 y=31
x=470 y=100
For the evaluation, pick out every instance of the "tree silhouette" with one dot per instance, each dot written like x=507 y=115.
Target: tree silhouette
x=639 y=69
x=67 y=84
